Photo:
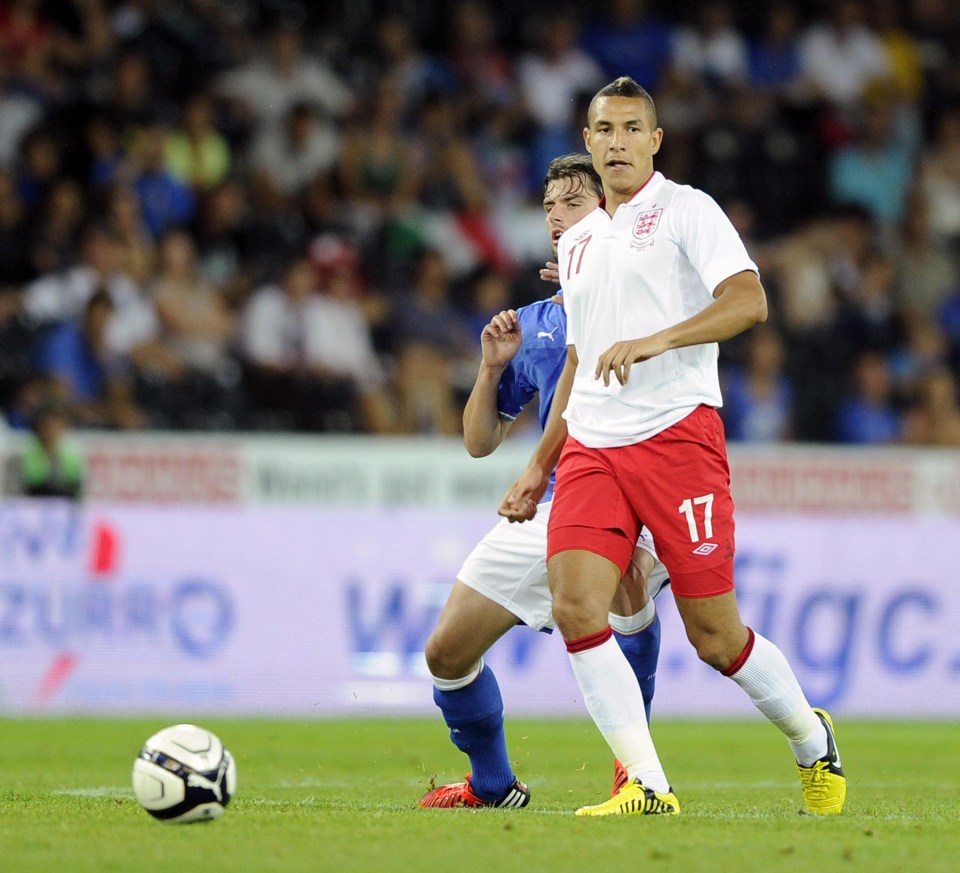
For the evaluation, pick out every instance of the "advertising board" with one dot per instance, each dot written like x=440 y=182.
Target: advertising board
x=118 y=608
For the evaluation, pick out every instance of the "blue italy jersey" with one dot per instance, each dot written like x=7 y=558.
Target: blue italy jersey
x=537 y=366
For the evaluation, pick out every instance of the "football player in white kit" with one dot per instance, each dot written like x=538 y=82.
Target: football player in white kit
x=504 y=580
x=653 y=279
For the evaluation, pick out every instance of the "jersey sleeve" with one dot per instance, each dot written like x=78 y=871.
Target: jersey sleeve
x=515 y=390
x=710 y=241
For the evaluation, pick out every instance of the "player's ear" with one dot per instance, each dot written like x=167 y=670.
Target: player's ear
x=657 y=137
x=586 y=137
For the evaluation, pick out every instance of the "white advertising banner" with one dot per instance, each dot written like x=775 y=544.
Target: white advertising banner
x=369 y=472
x=132 y=609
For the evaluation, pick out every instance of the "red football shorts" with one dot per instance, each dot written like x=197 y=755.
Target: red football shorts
x=677 y=483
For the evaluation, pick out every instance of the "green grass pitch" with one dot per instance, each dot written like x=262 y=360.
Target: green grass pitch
x=341 y=796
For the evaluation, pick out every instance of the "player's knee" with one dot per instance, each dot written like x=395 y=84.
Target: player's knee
x=445 y=659
x=714 y=650
x=576 y=616
x=712 y=655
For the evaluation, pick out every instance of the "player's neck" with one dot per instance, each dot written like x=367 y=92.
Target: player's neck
x=614 y=199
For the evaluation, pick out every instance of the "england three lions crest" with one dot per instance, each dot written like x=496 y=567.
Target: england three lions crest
x=645 y=227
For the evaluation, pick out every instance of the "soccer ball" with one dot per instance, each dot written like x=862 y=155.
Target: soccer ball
x=184 y=774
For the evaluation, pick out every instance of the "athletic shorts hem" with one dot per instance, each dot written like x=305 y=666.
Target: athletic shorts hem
x=711 y=581
x=613 y=545
x=524 y=616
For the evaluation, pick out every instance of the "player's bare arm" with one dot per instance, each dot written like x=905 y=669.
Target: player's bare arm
x=521 y=499
x=483 y=426
x=739 y=303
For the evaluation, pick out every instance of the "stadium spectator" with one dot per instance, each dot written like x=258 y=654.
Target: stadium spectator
x=483 y=70
x=629 y=40
x=131 y=100
x=341 y=339
x=487 y=294
x=195 y=322
x=38 y=167
x=934 y=417
x=451 y=190
x=124 y=218
x=711 y=52
x=268 y=85
x=227 y=242
x=874 y=170
x=842 y=54
x=15 y=263
x=868 y=415
x=552 y=74
x=902 y=48
x=758 y=397
x=922 y=351
x=926 y=263
x=286 y=157
x=62 y=296
x=775 y=62
x=397 y=54
x=52 y=464
x=447 y=170
x=198 y=155
x=164 y=201
x=20 y=112
x=431 y=347
x=195 y=387
x=28 y=44
x=87 y=371
x=376 y=171
x=868 y=315
x=940 y=176
x=283 y=345
x=55 y=236
x=106 y=161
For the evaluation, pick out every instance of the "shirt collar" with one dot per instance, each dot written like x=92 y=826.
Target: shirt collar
x=642 y=194
x=647 y=190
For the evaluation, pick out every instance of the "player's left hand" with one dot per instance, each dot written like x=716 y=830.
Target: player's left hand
x=622 y=355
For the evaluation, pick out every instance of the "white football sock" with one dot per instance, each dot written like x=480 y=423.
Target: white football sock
x=613 y=699
x=771 y=685
x=633 y=624
x=457 y=684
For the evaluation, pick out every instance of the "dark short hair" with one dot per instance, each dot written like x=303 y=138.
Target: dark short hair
x=624 y=86
x=574 y=166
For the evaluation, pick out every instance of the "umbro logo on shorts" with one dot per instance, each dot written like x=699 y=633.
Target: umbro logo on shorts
x=705 y=549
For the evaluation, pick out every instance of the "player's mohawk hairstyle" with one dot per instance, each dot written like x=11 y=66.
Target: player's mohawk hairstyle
x=624 y=86
x=574 y=166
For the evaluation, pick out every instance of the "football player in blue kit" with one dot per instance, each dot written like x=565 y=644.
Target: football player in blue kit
x=503 y=582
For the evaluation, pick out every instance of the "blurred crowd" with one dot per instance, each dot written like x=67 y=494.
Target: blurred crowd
x=243 y=215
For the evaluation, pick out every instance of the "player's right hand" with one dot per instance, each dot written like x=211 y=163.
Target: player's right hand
x=500 y=339
x=520 y=501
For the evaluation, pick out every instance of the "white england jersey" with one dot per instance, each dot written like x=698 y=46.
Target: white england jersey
x=655 y=263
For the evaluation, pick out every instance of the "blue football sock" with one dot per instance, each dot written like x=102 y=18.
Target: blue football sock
x=474 y=715
x=643 y=651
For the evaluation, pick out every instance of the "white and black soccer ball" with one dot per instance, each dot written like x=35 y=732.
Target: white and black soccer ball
x=184 y=774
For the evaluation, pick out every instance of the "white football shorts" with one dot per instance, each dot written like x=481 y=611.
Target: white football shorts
x=509 y=567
